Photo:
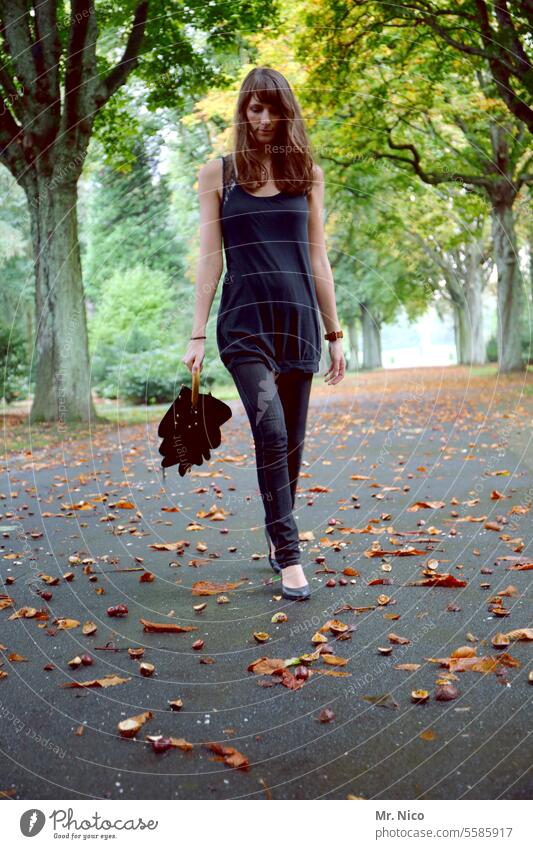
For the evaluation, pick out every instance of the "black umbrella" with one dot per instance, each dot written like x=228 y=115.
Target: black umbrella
x=190 y=428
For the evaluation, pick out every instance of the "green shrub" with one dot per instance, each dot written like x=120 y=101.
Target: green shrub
x=134 y=310
x=14 y=366
x=525 y=347
x=492 y=350
x=153 y=377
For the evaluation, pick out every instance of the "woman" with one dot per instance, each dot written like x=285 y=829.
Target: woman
x=265 y=201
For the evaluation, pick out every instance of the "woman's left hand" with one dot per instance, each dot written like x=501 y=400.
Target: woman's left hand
x=335 y=372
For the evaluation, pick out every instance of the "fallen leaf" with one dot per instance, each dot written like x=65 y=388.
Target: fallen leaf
x=332 y=660
x=66 y=624
x=181 y=743
x=229 y=755
x=426 y=505
x=209 y=588
x=444 y=579
x=166 y=627
x=384 y=700
x=428 y=734
x=266 y=665
x=520 y=634
x=106 y=681
x=24 y=613
x=400 y=641
x=130 y=727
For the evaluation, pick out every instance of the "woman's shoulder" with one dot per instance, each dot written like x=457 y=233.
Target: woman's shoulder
x=316 y=192
x=210 y=170
x=318 y=173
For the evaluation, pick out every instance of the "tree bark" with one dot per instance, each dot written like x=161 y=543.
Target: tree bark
x=460 y=327
x=62 y=392
x=474 y=285
x=371 y=339
x=509 y=289
x=54 y=91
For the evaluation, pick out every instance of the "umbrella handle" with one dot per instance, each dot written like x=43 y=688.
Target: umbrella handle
x=195 y=387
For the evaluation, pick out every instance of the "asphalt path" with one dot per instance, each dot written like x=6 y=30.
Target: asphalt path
x=413 y=444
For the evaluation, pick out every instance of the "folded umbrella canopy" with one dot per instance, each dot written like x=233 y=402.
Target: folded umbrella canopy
x=190 y=428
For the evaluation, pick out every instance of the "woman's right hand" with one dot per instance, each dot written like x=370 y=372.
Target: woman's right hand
x=195 y=354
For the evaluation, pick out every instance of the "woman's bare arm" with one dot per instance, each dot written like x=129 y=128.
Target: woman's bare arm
x=323 y=277
x=209 y=266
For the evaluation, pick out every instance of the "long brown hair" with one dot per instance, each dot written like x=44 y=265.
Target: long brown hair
x=292 y=160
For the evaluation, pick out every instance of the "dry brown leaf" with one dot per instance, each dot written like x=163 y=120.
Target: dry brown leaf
x=66 y=624
x=229 y=755
x=444 y=579
x=428 y=734
x=210 y=588
x=267 y=665
x=333 y=660
x=520 y=634
x=129 y=727
x=106 y=681
x=181 y=743
x=166 y=627
x=426 y=505
x=400 y=641
x=169 y=546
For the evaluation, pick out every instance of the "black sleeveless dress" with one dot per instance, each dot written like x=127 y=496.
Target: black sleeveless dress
x=268 y=308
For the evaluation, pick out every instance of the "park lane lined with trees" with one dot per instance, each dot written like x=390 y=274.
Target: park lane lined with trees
x=425 y=140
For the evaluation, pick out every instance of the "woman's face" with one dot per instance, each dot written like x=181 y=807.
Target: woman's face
x=263 y=119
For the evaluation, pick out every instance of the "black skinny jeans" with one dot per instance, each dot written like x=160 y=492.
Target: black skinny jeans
x=276 y=405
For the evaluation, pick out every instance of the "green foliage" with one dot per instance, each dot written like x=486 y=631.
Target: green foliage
x=187 y=48
x=16 y=270
x=136 y=310
x=14 y=366
x=492 y=350
x=525 y=346
x=127 y=221
x=155 y=376
x=138 y=340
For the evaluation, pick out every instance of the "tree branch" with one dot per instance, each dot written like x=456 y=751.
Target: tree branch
x=10 y=142
x=47 y=52
x=431 y=178
x=129 y=60
x=18 y=39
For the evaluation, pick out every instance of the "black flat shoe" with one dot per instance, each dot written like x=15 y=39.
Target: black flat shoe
x=296 y=593
x=272 y=560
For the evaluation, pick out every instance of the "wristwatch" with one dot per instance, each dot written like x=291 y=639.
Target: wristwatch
x=334 y=334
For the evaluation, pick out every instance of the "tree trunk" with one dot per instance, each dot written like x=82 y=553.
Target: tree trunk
x=473 y=288
x=461 y=332
x=62 y=386
x=509 y=290
x=371 y=339
x=353 y=362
